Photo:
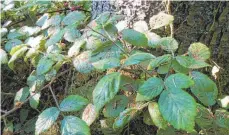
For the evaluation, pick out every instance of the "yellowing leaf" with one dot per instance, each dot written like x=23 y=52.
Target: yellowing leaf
x=160 y=20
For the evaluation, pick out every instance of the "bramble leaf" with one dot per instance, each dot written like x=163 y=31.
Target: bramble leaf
x=134 y=37
x=73 y=17
x=151 y=88
x=73 y=103
x=178 y=108
x=199 y=51
x=115 y=106
x=106 y=89
x=179 y=80
x=204 y=88
x=124 y=117
x=46 y=119
x=138 y=57
x=168 y=44
x=74 y=125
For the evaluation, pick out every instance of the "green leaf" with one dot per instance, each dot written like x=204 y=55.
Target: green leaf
x=178 y=108
x=222 y=118
x=124 y=118
x=72 y=125
x=38 y=81
x=34 y=100
x=14 y=35
x=168 y=131
x=55 y=38
x=73 y=103
x=29 y=31
x=189 y=62
x=21 y=95
x=138 y=57
x=72 y=34
x=140 y=98
x=44 y=65
x=156 y=115
x=159 y=61
x=164 y=69
x=106 y=63
x=3 y=57
x=103 y=18
x=111 y=30
x=73 y=17
x=160 y=20
x=89 y=114
x=16 y=48
x=46 y=119
x=55 y=20
x=106 y=89
x=204 y=117
x=115 y=106
x=168 y=44
x=178 y=67
x=179 y=80
x=134 y=37
x=18 y=54
x=151 y=88
x=11 y=43
x=199 y=51
x=204 y=88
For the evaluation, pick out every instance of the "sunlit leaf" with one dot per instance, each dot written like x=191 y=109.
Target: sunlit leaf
x=156 y=115
x=3 y=56
x=21 y=95
x=179 y=80
x=46 y=119
x=89 y=114
x=160 y=20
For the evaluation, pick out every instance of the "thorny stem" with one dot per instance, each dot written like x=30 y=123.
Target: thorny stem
x=126 y=53
x=46 y=86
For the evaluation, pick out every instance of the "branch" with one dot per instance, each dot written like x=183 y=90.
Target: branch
x=46 y=86
x=54 y=96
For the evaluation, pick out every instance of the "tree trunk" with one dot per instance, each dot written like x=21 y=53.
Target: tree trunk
x=200 y=21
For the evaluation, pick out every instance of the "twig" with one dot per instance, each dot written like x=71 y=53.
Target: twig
x=46 y=86
x=8 y=94
x=54 y=96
